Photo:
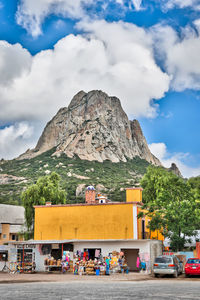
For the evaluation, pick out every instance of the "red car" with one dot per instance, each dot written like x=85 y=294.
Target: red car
x=192 y=267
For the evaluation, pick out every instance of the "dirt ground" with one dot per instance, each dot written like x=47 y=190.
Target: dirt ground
x=57 y=277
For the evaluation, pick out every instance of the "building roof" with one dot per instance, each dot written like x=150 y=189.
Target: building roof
x=11 y=214
x=90 y=204
x=134 y=188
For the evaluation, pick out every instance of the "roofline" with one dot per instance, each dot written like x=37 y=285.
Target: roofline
x=89 y=204
x=10 y=223
x=37 y=242
x=134 y=188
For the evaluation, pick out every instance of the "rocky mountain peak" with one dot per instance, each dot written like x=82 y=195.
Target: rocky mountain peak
x=174 y=169
x=94 y=127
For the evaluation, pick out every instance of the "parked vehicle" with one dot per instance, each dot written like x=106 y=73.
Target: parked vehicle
x=167 y=265
x=192 y=267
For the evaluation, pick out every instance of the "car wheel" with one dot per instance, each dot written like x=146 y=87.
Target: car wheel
x=156 y=275
x=187 y=275
x=176 y=274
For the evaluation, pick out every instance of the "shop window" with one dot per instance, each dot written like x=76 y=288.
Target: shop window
x=25 y=255
x=56 y=249
x=4 y=256
x=93 y=252
x=68 y=247
x=46 y=249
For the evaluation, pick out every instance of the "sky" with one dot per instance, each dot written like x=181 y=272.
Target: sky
x=145 y=52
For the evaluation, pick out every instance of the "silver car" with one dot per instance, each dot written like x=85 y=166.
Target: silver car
x=167 y=265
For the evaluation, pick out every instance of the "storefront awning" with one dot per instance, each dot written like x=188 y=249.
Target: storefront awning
x=35 y=242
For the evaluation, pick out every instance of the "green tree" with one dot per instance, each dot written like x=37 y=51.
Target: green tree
x=171 y=205
x=47 y=188
x=194 y=183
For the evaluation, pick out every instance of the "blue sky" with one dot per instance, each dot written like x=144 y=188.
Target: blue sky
x=144 y=52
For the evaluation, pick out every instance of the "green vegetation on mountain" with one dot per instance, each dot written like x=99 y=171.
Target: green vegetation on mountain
x=73 y=171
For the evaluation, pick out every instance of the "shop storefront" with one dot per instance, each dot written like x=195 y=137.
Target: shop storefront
x=3 y=256
x=69 y=255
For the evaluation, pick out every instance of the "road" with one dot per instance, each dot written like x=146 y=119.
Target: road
x=78 y=290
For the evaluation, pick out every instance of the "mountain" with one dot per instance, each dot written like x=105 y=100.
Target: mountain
x=89 y=142
x=95 y=128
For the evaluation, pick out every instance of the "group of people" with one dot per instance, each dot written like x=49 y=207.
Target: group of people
x=117 y=261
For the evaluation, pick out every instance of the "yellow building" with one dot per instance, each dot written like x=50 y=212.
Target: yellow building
x=93 y=220
x=98 y=225
x=11 y=222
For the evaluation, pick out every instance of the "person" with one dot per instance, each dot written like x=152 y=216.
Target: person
x=107 y=266
x=63 y=265
x=138 y=263
x=33 y=266
x=143 y=266
x=120 y=264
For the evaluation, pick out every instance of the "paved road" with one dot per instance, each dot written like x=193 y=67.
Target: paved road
x=169 y=290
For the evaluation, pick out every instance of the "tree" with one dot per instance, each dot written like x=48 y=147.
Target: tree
x=194 y=183
x=170 y=205
x=47 y=188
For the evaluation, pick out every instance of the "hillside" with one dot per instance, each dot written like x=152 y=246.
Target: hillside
x=109 y=177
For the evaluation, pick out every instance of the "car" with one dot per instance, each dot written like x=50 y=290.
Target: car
x=192 y=267
x=167 y=264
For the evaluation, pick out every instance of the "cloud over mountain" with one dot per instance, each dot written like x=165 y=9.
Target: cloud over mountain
x=161 y=152
x=14 y=138
x=180 y=55
x=95 y=60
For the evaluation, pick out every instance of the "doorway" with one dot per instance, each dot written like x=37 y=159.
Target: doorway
x=131 y=258
x=93 y=252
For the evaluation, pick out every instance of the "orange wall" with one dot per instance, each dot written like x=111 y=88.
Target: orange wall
x=114 y=221
x=153 y=234
x=6 y=231
x=134 y=195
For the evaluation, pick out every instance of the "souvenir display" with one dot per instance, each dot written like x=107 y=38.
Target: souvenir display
x=113 y=263
x=83 y=264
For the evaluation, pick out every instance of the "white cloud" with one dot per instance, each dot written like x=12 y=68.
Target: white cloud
x=170 y=4
x=161 y=152
x=96 y=60
x=14 y=139
x=14 y=62
x=137 y=4
x=35 y=87
x=181 y=55
x=31 y=14
x=130 y=71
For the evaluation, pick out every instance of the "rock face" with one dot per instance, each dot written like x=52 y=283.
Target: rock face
x=174 y=169
x=6 y=179
x=94 y=127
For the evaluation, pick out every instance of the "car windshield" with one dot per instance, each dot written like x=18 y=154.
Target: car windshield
x=163 y=260
x=193 y=261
